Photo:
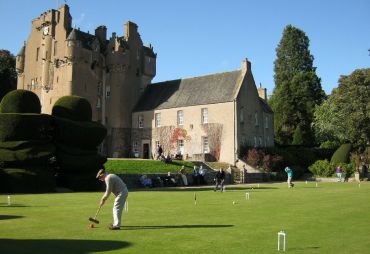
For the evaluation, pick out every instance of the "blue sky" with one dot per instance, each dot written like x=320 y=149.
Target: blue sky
x=199 y=37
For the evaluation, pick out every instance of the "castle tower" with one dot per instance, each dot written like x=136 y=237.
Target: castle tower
x=57 y=61
x=130 y=66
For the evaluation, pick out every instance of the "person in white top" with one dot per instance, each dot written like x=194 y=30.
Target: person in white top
x=114 y=184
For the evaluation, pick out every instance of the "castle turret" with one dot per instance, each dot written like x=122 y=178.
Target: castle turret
x=20 y=60
x=72 y=42
x=130 y=30
x=101 y=34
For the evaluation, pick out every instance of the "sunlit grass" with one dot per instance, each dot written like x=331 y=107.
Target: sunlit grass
x=330 y=218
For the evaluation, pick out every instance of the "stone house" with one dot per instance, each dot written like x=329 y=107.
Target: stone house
x=203 y=118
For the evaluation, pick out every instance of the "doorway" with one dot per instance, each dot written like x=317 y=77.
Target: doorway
x=145 y=151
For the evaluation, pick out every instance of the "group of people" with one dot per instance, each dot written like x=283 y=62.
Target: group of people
x=289 y=172
x=167 y=158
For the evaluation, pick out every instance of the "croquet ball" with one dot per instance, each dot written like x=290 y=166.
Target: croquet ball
x=234 y=202
x=91 y=225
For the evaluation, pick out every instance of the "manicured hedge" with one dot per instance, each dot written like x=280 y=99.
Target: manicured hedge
x=31 y=153
x=26 y=180
x=342 y=154
x=20 y=101
x=80 y=163
x=79 y=134
x=17 y=145
x=16 y=127
x=75 y=150
x=81 y=181
x=73 y=107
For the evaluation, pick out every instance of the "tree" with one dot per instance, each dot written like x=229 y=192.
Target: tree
x=345 y=115
x=297 y=87
x=298 y=136
x=8 y=75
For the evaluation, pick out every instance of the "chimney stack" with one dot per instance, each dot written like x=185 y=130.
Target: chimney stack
x=262 y=92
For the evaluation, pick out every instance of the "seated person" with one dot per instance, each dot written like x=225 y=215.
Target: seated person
x=145 y=181
x=168 y=159
x=178 y=155
x=169 y=180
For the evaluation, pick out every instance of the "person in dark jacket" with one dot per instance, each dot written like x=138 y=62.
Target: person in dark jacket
x=220 y=179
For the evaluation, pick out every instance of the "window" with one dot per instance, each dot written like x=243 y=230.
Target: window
x=157 y=119
x=256 y=118
x=266 y=122
x=135 y=149
x=260 y=141
x=141 y=121
x=255 y=141
x=180 y=117
x=107 y=92
x=205 y=146
x=204 y=115
x=37 y=54
x=180 y=146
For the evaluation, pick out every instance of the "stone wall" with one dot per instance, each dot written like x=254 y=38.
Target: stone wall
x=132 y=180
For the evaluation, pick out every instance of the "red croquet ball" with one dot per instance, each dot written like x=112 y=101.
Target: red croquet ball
x=91 y=225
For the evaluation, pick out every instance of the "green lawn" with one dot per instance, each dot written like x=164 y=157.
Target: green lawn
x=132 y=166
x=330 y=218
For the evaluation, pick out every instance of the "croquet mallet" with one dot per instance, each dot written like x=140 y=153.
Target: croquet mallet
x=94 y=219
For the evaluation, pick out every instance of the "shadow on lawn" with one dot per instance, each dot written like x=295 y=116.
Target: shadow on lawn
x=174 y=226
x=206 y=188
x=305 y=248
x=10 y=206
x=9 y=217
x=57 y=246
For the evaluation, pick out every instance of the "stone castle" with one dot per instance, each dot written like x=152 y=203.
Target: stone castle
x=209 y=115
x=59 y=60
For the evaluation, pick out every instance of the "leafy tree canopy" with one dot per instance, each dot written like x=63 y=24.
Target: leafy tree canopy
x=8 y=75
x=345 y=115
x=297 y=88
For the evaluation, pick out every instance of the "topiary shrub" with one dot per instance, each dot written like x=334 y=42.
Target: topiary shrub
x=20 y=101
x=15 y=126
x=27 y=180
x=81 y=181
x=28 y=154
x=75 y=108
x=80 y=163
x=341 y=155
x=79 y=134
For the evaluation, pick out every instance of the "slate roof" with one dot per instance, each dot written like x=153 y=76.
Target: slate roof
x=265 y=107
x=210 y=89
x=85 y=38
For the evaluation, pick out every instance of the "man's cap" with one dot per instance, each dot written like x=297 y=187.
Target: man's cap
x=100 y=173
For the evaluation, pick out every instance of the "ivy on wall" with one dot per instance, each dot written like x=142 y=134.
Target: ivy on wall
x=214 y=133
x=163 y=134
x=179 y=133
